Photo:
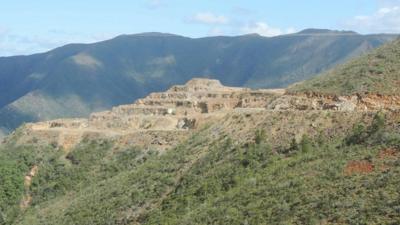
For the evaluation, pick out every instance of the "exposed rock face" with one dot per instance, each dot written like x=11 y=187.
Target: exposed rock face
x=337 y=103
x=162 y=120
x=181 y=107
x=154 y=119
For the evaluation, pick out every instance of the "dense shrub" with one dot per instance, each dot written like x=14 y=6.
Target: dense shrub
x=208 y=180
x=11 y=189
x=363 y=134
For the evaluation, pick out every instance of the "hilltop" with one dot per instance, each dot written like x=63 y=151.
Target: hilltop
x=375 y=73
x=78 y=79
x=157 y=121
x=161 y=120
x=207 y=153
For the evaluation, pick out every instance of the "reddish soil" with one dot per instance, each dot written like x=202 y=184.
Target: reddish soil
x=358 y=167
x=366 y=167
x=388 y=153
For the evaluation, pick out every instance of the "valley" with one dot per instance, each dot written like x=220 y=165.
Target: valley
x=169 y=112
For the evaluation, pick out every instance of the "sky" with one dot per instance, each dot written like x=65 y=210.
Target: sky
x=28 y=27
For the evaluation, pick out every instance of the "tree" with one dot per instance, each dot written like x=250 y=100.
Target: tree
x=358 y=134
x=260 y=136
x=294 y=146
x=305 y=144
x=378 y=123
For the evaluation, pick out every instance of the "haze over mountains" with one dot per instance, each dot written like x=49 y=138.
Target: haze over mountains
x=77 y=79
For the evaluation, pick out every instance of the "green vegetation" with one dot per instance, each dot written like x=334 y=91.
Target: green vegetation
x=11 y=190
x=377 y=72
x=59 y=174
x=74 y=80
x=328 y=180
x=15 y=163
x=374 y=134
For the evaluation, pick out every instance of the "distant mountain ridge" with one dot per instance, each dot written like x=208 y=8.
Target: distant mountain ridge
x=77 y=79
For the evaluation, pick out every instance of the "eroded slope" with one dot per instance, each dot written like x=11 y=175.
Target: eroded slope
x=113 y=167
x=159 y=121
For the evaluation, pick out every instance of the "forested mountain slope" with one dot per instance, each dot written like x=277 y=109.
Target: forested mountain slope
x=77 y=79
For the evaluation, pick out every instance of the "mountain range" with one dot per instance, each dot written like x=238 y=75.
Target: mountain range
x=77 y=79
x=323 y=151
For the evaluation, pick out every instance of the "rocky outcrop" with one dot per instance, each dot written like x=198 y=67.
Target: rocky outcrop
x=174 y=108
x=177 y=111
x=336 y=103
x=162 y=120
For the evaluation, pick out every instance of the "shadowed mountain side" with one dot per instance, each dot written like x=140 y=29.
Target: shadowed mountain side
x=77 y=79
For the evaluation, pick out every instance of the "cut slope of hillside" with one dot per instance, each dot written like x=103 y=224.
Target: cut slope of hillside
x=375 y=73
x=78 y=79
x=157 y=121
x=205 y=153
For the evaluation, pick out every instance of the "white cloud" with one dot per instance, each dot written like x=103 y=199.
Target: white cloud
x=384 y=20
x=208 y=18
x=155 y=4
x=264 y=29
x=21 y=44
